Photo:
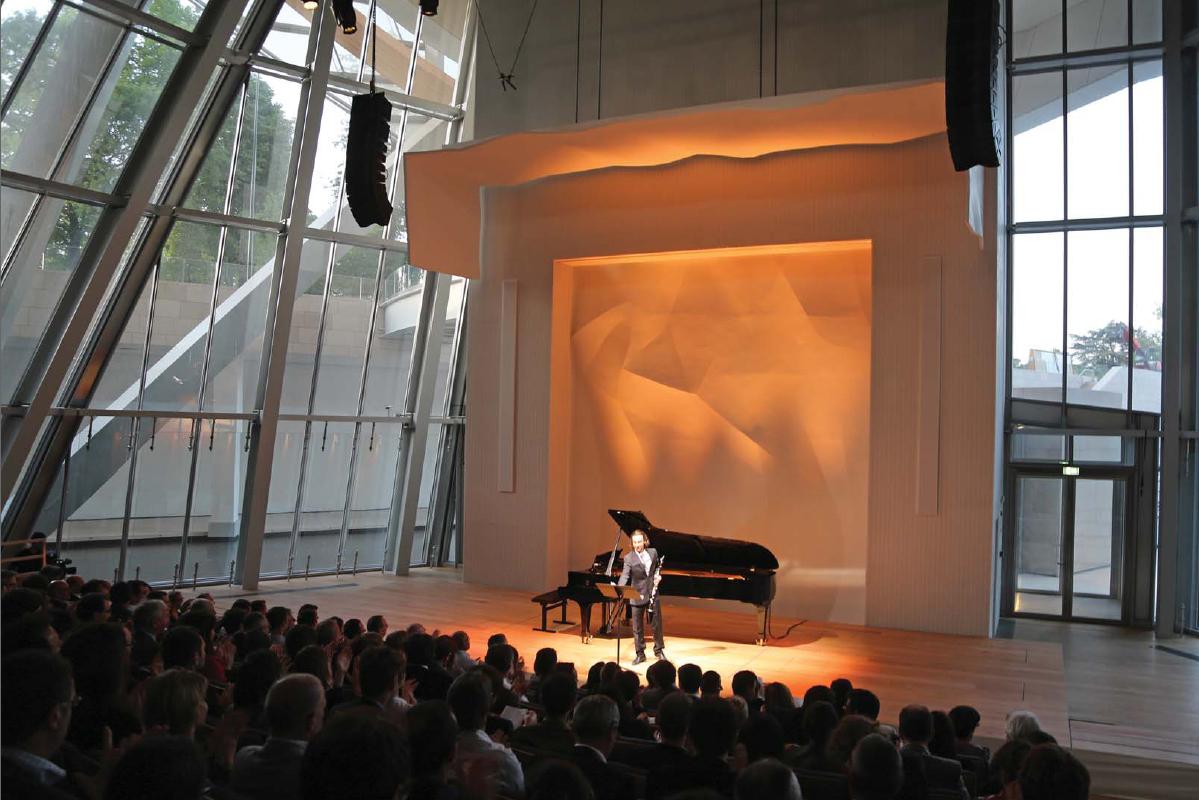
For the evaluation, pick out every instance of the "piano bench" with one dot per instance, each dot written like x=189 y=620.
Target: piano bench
x=549 y=601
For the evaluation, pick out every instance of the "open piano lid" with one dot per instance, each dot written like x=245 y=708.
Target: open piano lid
x=693 y=549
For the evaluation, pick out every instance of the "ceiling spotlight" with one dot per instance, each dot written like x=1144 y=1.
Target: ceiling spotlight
x=346 y=18
x=310 y=5
x=429 y=7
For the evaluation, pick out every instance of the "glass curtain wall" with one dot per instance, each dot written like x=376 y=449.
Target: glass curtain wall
x=156 y=475
x=1086 y=218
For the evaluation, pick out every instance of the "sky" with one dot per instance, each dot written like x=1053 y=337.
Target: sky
x=1098 y=187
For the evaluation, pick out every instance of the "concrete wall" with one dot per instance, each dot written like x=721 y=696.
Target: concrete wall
x=579 y=64
x=926 y=568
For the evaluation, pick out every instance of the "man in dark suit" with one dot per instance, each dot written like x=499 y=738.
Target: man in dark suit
x=595 y=724
x=552 y=734
x=712 y=732
x=916 y=731
x=295 y=706
x=674 y=715
x=641 y=572
x=37 y=694
x=965 y=720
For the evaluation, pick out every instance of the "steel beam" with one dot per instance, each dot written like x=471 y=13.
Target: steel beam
x=1173 y=320
x=412 y=455
x=274 y=357
x=58 y=189
x=135 y=16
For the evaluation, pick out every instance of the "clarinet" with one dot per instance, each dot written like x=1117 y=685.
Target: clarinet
x=653 y=595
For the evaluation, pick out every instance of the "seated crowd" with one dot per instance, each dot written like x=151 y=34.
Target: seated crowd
x=119 y=691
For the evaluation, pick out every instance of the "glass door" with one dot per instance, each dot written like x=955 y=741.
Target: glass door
x=1097 y=552
x=1040 y=514
x=1069 y=546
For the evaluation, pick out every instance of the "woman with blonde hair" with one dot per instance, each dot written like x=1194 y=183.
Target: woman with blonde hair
x=175 y=702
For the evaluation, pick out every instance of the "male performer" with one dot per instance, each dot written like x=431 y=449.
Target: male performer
x=639 y=564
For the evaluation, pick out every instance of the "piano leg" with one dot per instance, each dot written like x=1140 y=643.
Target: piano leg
x=763 y=624
x=585 y=622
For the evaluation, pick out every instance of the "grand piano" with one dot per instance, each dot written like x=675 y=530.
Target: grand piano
x=693 y=566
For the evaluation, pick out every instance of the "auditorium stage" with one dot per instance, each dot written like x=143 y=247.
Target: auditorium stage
x=1129 y=708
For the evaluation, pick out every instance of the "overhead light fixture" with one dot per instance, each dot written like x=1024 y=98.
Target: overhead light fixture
x=310 y=5
x=429 y=7
x=346 y=18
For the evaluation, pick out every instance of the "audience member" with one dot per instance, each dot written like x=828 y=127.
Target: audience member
x=93 y=607
x=1053 y=773
x=875 y=770
x=100 y=663
x=34 y=630
x=150 y=620
x=748 y=686
x=295 y=710
x=761 y=737
x=740 y=710
x=841 y=688
x=553 y=733
x=432 y=681
x=863 y=702
x=20 y=601
x=308 y=616
x=279 y=621
x=355 y=757
x=965 y=720
x=943 y=743
x=819 y=722
x=175 y=702
x=183 y=647
x=432 y=736
x=379 y=678
x=296 y=639
x=544 y=663
x=1021 y=725
x=35 y=716
x=502 y=658
x=1005 y=768
x=353 y=629
x=462 y=658
x=845 y=737
x=767 y=779
x=246 y=722
x=595 y=724
x=916 y=731
x=476 y=754
x=691 y=680
x=377 y=624
x=159 y=768
x=661 y=677
x=674 y=719
x=780 y=704
x=711 y=733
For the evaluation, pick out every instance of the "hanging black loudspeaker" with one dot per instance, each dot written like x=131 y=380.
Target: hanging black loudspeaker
x=366 y=159
x=971 y=62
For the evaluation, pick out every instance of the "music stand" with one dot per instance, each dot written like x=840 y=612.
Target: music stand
x=622 y=595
